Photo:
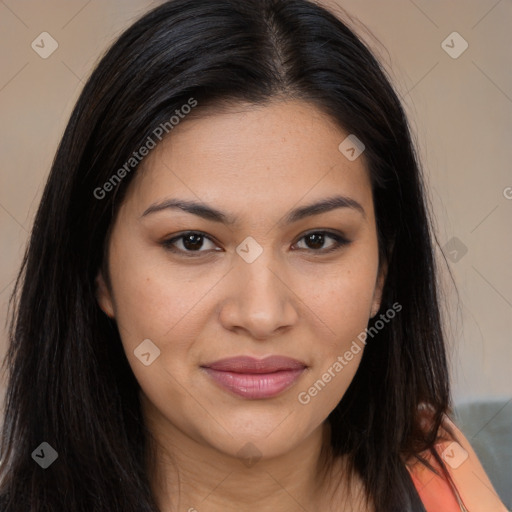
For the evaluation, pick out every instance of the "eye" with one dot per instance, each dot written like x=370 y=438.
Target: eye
x=195 y=243
x=190 y=242
x=321 y=241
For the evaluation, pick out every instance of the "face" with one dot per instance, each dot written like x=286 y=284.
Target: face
x=248 y=234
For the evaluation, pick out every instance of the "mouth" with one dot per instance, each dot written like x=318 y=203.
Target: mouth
x=253 y=378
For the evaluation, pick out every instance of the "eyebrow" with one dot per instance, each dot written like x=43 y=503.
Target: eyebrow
x=210 y=213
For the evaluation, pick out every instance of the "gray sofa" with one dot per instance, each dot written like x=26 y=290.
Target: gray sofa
x=488 y=427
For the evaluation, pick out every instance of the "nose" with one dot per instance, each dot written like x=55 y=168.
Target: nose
x=258 y=301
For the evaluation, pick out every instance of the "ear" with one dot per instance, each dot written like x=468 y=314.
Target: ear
x=103 y=295
x=379 y=287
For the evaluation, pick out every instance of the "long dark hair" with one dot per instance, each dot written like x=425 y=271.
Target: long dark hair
x=70 y=384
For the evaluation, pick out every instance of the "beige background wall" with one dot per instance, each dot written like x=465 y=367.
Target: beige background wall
x=460 y=109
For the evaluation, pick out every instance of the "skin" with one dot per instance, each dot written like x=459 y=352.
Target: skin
x=254 y=163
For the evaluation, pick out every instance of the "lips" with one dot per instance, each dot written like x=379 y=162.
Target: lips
x=255 y=378
x=245 y=364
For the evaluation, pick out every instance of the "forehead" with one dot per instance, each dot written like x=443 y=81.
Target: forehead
x=268 y=156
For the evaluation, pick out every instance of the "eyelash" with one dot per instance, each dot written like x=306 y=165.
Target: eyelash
x=339 y=242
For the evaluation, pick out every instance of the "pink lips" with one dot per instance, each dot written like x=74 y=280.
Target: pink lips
x=255 y=378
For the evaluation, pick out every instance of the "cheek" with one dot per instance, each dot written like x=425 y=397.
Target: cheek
x=343 y=303
x=343 y=297
x=154 y=299
x=155 y=302
x=166 y=313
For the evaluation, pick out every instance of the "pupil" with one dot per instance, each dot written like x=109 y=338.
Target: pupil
x=315 y=241
x=193 y=242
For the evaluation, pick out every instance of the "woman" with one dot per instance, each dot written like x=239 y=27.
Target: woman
x=228 y=301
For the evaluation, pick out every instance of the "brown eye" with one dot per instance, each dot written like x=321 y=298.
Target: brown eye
x=191 y=242
x=322 y=242
x=315 y=240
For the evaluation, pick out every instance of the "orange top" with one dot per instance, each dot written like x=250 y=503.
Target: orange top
x=435 y=491
x=470 y=490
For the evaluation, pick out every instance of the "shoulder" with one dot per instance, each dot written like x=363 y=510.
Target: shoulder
x=469 y=483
